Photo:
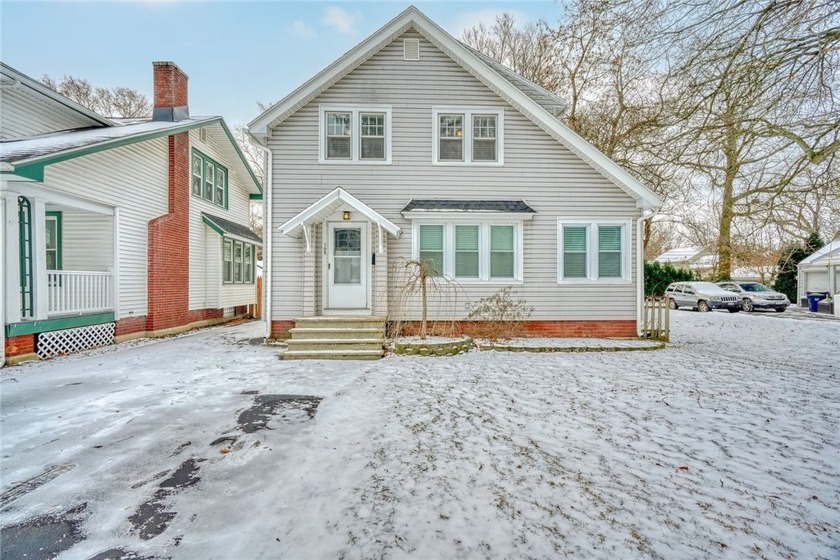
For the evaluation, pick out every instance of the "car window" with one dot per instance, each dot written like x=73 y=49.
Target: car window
x=678 y=289
x=689 y=290
x=755 y=287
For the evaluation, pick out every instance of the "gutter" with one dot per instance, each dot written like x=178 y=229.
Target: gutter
x=267 y=259
x=640 y=269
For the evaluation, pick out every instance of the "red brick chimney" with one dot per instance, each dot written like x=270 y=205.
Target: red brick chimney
x=171 y=99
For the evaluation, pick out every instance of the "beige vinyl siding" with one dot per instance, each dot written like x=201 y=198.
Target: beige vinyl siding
x=23 y=115
x=87 y=241
x=206 y=288
x=551 y=179
x=133 y=179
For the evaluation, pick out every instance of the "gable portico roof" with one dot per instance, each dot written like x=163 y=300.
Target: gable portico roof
x=328 y=205
x=538 y=105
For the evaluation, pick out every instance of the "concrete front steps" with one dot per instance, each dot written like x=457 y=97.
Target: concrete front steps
x=336 y=338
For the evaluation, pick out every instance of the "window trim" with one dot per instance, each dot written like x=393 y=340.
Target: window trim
x=205 y=159
x=356 y=112
x=57 y=218
x=484 y=224
x=468 y=113
x=592 y=249
x=249 y=258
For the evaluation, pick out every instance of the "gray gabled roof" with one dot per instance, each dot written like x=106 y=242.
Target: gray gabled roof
x=533 y=102
x=19 y=78
x=226 y=227
x=34 y=147
x=549 y=101
x=432 y=205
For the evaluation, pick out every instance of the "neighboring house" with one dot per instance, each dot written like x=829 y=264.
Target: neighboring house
x=692 y=258
x=118 y=228
x=413 y=145
x=820 y=272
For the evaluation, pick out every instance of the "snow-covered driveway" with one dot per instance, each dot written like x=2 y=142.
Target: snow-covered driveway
x=724 y=445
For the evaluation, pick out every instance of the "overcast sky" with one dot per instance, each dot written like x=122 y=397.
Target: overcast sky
x=235 y=53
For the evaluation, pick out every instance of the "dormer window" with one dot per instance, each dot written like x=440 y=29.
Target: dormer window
x=355 y=134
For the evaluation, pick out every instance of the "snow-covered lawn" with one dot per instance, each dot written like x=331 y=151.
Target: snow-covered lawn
x=725 y=444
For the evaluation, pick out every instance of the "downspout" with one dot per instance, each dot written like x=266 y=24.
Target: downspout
x=640 y=269
x=267 y=260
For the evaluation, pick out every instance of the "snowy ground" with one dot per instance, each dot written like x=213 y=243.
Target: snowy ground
x=724 y=445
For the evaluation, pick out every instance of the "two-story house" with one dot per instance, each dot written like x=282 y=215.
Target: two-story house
x=118 y=228
x=415 y=146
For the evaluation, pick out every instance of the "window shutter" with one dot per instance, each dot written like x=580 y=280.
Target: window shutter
x=411 y=49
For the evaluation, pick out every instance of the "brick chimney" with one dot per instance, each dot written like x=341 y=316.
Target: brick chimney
x=171 y=99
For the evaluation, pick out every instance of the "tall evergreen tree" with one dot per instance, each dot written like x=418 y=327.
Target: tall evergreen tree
x=791 y=256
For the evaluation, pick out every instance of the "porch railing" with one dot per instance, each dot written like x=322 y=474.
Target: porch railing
x=72 y=291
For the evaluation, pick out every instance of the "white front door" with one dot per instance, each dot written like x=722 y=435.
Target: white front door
x=347 y=265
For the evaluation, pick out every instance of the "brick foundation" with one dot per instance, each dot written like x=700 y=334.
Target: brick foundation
x=130 y=325
x=560 y=329
x=20 y=345
x=280 y=329
x=197 y=315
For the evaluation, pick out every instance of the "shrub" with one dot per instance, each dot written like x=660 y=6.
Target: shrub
x=791 y=256
x=498 y=316
x=658 y=276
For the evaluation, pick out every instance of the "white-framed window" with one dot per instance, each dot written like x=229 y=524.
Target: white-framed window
x=593 y=250
x=471 y=251
x=238 y=262
x=209 y=179
x=355 y=134
x=473 y=136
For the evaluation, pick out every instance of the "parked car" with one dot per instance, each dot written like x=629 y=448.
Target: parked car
x=702 y=296
x=757 y=296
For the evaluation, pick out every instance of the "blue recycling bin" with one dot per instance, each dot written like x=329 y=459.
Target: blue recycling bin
x=814 y=298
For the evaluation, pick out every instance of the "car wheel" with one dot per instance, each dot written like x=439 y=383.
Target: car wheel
x=703 y=307
x=733 y=310
x=748 y=305
x=673 y=304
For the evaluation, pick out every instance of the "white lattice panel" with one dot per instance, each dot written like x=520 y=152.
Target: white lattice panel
x=67 y=341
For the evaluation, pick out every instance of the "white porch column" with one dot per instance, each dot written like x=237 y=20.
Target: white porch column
x=308 y=277
x=11 y=258
x=380 y=272
x=40 y=283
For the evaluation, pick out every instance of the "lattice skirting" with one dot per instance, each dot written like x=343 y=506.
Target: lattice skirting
x=67 y=341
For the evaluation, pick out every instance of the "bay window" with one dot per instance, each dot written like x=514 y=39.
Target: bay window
x=471 y=252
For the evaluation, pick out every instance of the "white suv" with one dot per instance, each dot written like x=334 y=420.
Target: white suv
x=757 y=296
x=703 y=296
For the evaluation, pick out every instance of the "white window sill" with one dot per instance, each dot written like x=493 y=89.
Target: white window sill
x=596 y=282
x=354 y=162
x=469 y=163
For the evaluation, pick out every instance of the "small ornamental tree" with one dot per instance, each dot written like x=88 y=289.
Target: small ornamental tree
x=792 y=255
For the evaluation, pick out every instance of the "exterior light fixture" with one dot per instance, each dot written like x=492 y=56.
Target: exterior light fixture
x=346 y=215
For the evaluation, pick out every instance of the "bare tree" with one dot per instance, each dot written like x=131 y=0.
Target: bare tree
x=118 y=102
x=757 y=108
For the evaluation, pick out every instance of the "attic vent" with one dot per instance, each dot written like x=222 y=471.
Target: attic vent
x=411 y=49
x=202 y=134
